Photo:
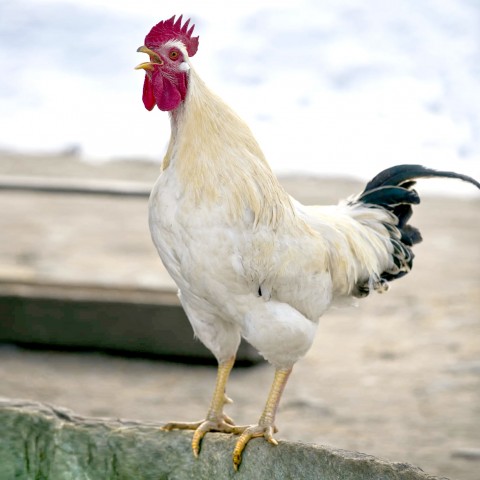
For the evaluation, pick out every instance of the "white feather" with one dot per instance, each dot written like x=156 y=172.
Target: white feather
x=248 y=259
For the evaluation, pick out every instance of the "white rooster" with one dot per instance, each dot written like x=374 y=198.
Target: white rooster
x=248 y=259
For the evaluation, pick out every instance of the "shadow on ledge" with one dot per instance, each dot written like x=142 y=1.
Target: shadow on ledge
x=39 y=441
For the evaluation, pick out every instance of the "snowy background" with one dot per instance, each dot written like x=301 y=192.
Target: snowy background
x=331 y=86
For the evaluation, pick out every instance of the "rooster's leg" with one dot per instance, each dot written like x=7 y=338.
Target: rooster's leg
x=266 y=425
x=216 y=420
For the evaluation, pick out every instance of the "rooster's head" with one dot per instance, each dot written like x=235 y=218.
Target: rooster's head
x=169 y=45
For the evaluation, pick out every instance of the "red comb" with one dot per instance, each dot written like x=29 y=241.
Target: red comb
x=173 y=30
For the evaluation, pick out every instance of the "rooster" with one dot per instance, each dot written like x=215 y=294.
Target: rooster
x=248 y=259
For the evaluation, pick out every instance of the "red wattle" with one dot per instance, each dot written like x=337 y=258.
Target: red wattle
x=169 y=98
x=148 y=96
x=160 y=91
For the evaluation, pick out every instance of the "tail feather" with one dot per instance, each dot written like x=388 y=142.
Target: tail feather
x=404 y=175
x=389 y=196
x=392 y=190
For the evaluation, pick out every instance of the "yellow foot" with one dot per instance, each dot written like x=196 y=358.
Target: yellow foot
x=223 y=425
x=248 y=433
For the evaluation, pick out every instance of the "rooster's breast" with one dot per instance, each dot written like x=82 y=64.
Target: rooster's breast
x=195 y=240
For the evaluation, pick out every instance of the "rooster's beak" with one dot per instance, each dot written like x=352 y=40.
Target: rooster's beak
x=154 y=59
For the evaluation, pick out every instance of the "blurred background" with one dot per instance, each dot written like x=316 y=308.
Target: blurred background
x=335 y=91
x=329 y=87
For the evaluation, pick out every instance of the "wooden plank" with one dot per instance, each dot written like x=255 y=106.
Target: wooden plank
x=74 y=186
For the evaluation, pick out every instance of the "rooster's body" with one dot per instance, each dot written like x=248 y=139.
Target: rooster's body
x=249 y=260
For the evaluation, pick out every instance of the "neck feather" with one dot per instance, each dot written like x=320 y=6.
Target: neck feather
x=218 y=159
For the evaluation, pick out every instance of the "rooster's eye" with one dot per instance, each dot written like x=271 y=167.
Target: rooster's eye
x=173 y=55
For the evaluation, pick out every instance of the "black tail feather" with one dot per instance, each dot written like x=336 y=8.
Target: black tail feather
x=401 y=174
x=392 y=190
x=403 y=212
x=389 y=196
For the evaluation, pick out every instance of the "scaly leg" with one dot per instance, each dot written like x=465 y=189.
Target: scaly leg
x=265 y=427
x=216 y=420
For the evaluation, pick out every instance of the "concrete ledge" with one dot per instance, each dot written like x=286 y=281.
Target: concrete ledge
x=128 y=320
x=38 y=441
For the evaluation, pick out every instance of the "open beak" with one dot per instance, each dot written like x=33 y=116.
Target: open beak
x=154 y=59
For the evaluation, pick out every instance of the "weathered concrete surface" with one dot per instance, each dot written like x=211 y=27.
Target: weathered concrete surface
x=38 y=441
